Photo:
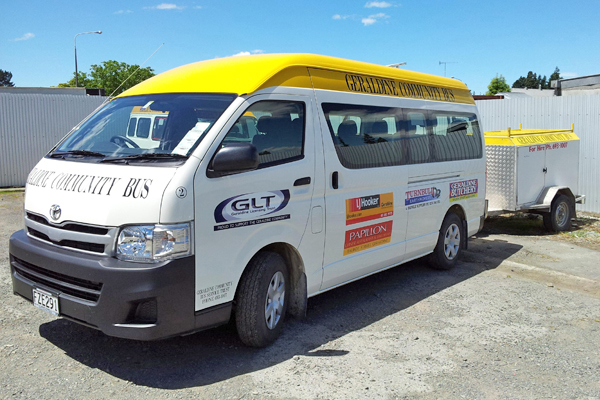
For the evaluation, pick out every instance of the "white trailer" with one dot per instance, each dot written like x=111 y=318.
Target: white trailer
x=536 y=171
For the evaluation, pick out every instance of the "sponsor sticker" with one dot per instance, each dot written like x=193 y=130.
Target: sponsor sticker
x=366 y=208
x=422 y=197
x=463 y=190
x=367 y=237
x=251 y=209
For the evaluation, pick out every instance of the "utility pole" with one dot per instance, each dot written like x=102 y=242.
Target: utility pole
x=447 y=62
x=75 y=40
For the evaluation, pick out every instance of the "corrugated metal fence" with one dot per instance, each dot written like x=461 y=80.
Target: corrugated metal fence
x=30 y=124
x=556 y=113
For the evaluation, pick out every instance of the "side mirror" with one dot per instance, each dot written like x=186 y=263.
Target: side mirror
x=236 y=157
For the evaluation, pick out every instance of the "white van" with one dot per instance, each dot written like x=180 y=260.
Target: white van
x=277 y=178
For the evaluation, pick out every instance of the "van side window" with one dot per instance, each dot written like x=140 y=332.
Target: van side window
x=159 y=128
x=143 y=128
x=456 y=136
x=131 y=127
x=365 y=136
x=275 y=128
x=419 y=147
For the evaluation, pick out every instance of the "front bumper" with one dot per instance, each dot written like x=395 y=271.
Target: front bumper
x=147 y=302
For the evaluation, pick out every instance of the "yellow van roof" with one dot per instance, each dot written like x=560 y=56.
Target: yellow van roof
x=248 y=74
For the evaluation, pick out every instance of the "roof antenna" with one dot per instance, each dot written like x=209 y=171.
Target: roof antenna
x=446 y=63
x=118 y=87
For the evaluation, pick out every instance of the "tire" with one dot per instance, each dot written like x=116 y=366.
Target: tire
x=560 y=215
x=262 y=300
x=449 y=245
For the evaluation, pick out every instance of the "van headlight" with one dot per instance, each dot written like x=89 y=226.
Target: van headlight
x=154 y=243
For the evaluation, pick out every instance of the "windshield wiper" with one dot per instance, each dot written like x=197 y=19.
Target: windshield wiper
x=78 y=153
x=146 y=156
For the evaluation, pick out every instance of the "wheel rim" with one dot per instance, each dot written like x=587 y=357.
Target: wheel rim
x=562 y=213
x=275 y=299
x=452 y=241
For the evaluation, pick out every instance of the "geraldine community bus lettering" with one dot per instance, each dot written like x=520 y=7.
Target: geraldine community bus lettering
x=91 y=184
x=390 y=87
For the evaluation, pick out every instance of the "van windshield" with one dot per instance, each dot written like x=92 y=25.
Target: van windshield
x=157 y=127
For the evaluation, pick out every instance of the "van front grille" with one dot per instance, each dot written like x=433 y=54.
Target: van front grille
x=74 y=244
x=72 y=235
x=76 y=287
x=93 y=230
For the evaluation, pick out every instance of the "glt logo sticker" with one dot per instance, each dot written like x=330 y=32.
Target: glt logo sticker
x=251 y=205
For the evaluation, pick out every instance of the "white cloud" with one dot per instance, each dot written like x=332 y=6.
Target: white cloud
x=371 y=19
x=378 y=4
x=165 y=6
x=123 y=12
x=26 y=36
x=247 y=53
x=338 y=16
x=197 y=7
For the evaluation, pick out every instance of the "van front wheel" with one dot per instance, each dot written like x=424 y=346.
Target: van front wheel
x=261 y=302
x=449 y=245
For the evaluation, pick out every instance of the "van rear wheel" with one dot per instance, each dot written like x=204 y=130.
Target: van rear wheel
x=262 y=300
x=449 y=245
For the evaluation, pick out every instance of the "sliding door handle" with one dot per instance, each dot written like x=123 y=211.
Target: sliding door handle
x=302 y=181
x=334 y=180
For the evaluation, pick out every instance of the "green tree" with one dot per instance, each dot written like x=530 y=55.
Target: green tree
x=5 y=78
x=533 y=80
x=110 y=75
x=497 y=85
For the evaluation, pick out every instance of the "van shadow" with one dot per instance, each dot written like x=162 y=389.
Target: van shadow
x=217 y=355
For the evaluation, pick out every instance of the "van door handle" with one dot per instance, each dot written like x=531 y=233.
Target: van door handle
x=302 y=181
x=334 y=180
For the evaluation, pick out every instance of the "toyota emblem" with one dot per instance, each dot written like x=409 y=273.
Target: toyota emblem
x=55 y=212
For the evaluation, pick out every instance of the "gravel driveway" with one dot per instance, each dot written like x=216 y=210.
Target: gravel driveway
x=518 y=318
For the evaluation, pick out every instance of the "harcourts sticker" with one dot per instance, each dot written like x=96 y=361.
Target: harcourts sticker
x=251 y=209
x=463 y=190
x=366 y=208
x=422 y=197
x=367 y=237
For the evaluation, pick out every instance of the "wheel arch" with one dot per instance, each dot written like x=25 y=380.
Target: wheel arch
x=460 y=212
x=295 y=265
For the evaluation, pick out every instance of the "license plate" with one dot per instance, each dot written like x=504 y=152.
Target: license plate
x=45 y=301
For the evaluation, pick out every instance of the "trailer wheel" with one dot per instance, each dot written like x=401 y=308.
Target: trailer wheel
x=560 y=215
x=449 y=245
x=261 y=301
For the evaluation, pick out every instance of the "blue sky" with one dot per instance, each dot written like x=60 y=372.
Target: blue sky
x=483 y=38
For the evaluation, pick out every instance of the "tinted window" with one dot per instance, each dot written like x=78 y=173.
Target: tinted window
x=365 y=136
x=275 y=128
x=418 y=138
x=456 y=136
